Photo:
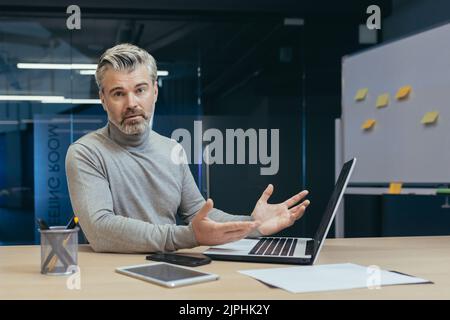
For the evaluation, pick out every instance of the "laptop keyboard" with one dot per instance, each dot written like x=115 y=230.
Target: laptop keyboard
x=275 y=247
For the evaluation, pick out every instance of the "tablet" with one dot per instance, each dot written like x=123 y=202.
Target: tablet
x=167 y=275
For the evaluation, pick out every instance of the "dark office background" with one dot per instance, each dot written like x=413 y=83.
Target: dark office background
x=248 y=64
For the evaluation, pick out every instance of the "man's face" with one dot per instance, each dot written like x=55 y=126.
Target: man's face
x=129 y=98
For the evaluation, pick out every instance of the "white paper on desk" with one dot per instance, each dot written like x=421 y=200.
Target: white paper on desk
x=329 y=277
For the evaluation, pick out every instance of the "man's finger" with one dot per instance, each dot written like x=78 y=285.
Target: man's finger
x=203 y=212
x=299 y=213
x=297 y=207
x=293 y=200
x=299 y=210
x=266 y=194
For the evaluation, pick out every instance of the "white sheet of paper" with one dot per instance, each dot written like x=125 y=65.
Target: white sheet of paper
x=329 y=277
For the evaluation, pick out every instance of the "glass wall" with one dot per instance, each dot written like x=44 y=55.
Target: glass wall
x=240 y=66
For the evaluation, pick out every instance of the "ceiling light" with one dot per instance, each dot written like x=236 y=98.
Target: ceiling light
x=73 y=101
x=31 y=98
x=58 y=66
x=85 y=69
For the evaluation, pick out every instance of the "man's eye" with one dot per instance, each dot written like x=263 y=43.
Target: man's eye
x=141 y=90
x=117 y=94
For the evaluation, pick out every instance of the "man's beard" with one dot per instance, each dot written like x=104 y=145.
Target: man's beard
x=135 y=126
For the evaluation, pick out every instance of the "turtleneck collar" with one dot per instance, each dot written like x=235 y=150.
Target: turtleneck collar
x=139 y=140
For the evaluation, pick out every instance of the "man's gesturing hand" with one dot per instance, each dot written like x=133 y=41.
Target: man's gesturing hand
x=211 y=233
x=275 y=217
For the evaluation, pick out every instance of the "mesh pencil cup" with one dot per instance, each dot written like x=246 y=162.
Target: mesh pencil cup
x=59 y=250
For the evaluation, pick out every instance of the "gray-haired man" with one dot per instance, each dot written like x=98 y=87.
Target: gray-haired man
x=126 y=190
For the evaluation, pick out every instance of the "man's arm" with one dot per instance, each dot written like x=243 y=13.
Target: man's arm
x=91 y=200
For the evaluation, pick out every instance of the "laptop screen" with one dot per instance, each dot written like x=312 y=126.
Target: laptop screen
x=333 y=204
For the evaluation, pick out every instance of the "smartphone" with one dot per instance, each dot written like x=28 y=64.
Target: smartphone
x=184 y=259
x=167 y=275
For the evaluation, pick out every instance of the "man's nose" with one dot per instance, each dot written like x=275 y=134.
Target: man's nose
x=131 y=100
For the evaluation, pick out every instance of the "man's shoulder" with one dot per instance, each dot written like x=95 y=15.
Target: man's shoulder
x=90 y=141
x=170 y=150
x=163 y=141
x=93 y=136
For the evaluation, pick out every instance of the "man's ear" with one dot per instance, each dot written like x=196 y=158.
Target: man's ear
x=102 y=98
x=155 y=87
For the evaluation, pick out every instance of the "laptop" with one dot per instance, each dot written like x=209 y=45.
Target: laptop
x=303 y=251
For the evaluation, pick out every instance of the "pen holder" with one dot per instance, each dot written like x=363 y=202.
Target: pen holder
x=59 y=250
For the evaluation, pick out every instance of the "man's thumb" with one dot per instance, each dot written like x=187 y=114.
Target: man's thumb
x=203 y=212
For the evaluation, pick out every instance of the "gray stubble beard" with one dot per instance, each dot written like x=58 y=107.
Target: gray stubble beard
x=135 y=128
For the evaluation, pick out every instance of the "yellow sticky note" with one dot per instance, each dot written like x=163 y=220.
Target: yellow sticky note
x=430 y=117
x=403 y=92
x=382 y=100
x=395 y=187
x=361 y=94
x=368 y=124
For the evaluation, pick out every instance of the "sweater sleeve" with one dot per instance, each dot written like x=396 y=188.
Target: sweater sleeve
x=92 y=202
x=192 y=201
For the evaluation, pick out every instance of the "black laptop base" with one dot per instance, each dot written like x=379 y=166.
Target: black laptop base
x=261 y=259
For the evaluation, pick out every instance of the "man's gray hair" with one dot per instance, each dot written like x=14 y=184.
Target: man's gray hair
x=125 y=57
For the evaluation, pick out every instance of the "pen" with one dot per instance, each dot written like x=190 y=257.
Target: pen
x=42 y=224
x=72 y=223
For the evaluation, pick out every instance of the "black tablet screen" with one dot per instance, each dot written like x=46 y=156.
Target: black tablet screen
x=165 y=272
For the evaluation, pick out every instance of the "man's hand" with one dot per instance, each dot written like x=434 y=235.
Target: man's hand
x=276 y=217
x=210 y=233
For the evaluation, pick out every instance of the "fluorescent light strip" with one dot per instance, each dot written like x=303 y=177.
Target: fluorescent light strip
x=31 y=98
x=48 y=99
x=9 y=122
x=59 y=66
x=73 y=101
x=85 y=69
x=87 y=72
x=161 y=73
x=84 y=101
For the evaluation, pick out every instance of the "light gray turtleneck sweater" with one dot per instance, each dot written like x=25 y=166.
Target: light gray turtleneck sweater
x=126 y=191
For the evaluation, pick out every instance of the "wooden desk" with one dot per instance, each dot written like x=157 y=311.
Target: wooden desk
x=425 y=257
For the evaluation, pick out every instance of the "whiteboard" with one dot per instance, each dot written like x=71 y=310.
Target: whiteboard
x=399 y=148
